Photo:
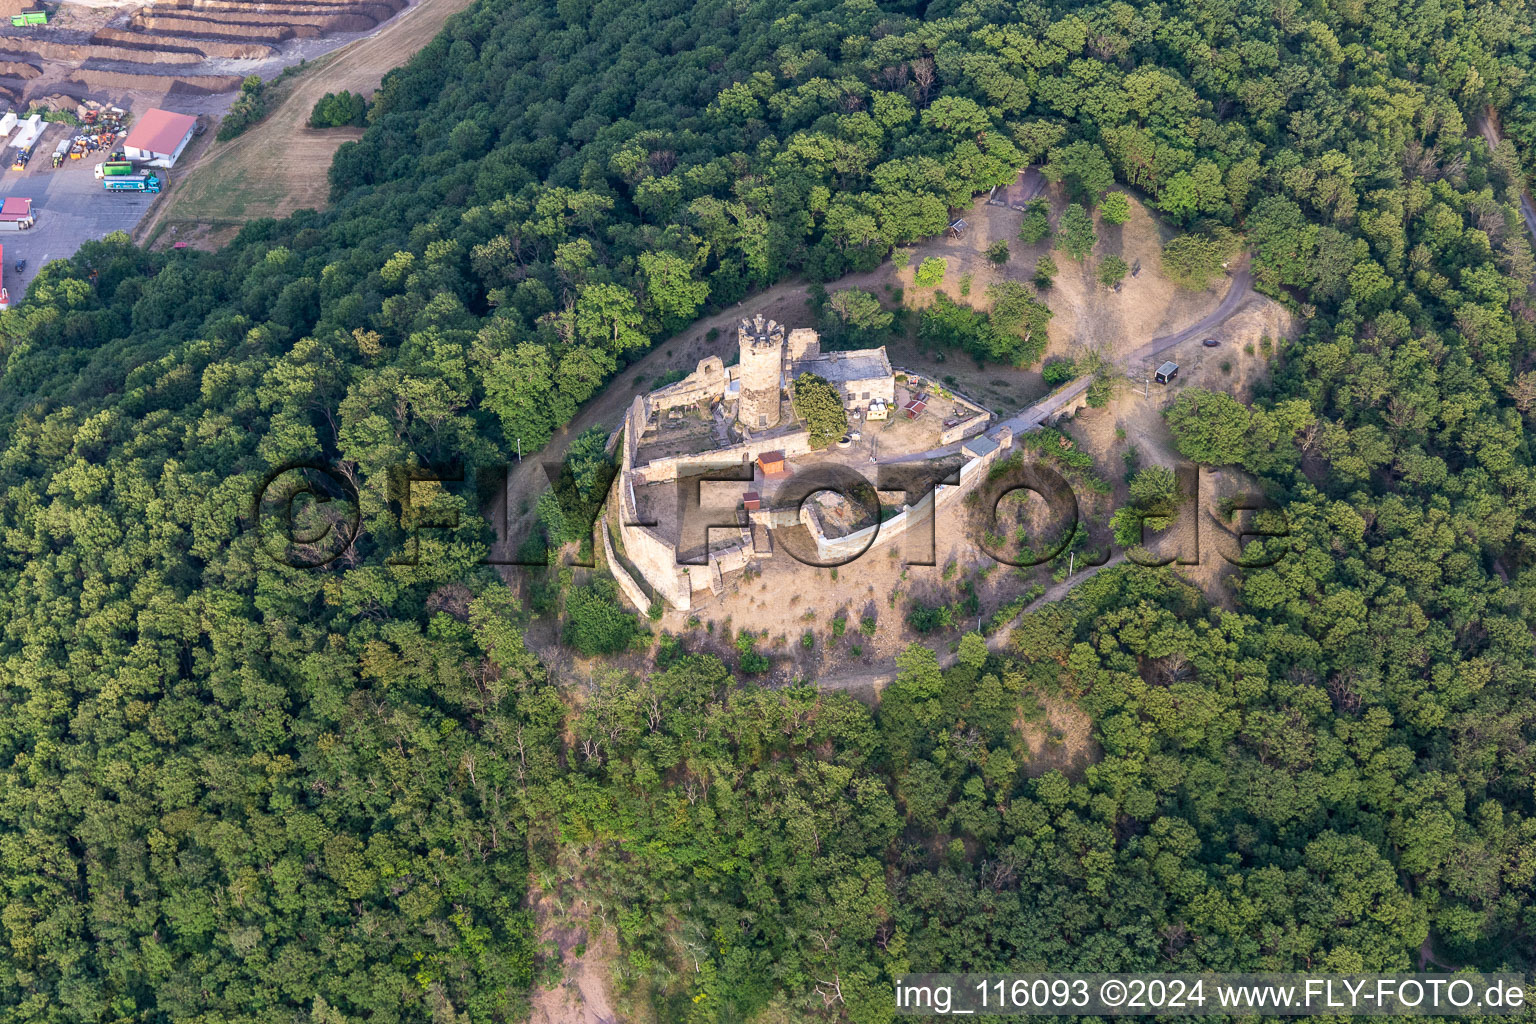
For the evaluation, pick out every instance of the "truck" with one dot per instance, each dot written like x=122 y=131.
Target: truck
x=113 y=168
x=61 y=151
x=35 y=16
x=132 y=183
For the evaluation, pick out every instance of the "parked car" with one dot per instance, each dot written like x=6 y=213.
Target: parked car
x=21 y=265
x=1210 y=343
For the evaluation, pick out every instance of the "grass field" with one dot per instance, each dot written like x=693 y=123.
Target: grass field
x=280 y=165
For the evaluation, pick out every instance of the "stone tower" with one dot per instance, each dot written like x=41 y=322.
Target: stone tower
x=761 y=372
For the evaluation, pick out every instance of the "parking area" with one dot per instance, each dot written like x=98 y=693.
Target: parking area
x=70 y=207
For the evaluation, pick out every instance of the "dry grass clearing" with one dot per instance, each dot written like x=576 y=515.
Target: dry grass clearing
x=280 y=165
x=1062 y=742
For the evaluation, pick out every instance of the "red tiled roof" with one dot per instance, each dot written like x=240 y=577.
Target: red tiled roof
x=16 y=208
x=160 y=131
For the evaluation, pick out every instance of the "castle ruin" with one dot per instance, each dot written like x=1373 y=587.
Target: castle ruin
x=718 y=446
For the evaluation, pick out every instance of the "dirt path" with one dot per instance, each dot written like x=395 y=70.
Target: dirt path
x=873 y=677
x=280 y=165
x=680 y=352
x=1488 y=124
x=1238 y=292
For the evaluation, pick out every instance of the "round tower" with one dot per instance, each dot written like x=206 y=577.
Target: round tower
x=761 y=371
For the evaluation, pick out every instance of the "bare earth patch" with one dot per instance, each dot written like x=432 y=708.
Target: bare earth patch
x=581 y=995
x=1063 y=742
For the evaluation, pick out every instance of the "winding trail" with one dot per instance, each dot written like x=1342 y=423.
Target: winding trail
x=1238 y=292
x=872 y=676
x=683 y=351
x=1489 y=126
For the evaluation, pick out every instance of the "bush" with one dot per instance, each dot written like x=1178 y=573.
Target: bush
x=1036 y=226
x=818 y=406
x=1191 y=261
x=1077 y=236
x=594 y=621
x=249 y=107
x=997 y=252
x=1045 y=272
x=337 y=109
x=1014 y=332
x=1059 y=371
x=752 y=662
x=1116 y=208
x=1112 y=270
x=927 y=619
x=930 y=272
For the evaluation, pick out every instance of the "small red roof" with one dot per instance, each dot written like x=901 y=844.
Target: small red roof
x=16 y=207
x=160 y=131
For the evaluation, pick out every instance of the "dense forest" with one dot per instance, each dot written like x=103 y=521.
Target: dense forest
x=232 y=789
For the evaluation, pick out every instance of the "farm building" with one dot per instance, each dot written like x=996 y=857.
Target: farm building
x=159 y=138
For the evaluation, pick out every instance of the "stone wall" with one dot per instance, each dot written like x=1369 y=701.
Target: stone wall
x=652 y=555
x=627 y=585
x=705 y=383
x=670 y=468
x=804 y=343
x=965 y=428
x=971 y=472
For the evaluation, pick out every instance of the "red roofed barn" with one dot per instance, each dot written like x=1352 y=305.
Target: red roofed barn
x=159 y=137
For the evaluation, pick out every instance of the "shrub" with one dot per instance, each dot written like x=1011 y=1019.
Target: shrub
x=930 y=273
x=1077 y=236
x=1115 y=208
x=818 y=406
x=1191 y=261
x=1059 y=371
x=1036 y=226
x=926 y=618
x=249 y=107
x=595 y=623
x=1112 y=270
x=752 y=662
x=337 y=109
x=997 y=252
x=1045 y=272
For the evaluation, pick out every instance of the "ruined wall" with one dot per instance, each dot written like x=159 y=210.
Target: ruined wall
x=706 y=382
x=1077 y=404
x=804 y=343
x=941 y=497
x=964 y=429
x=652 y=555
x=662 y=470
x=627 y=585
